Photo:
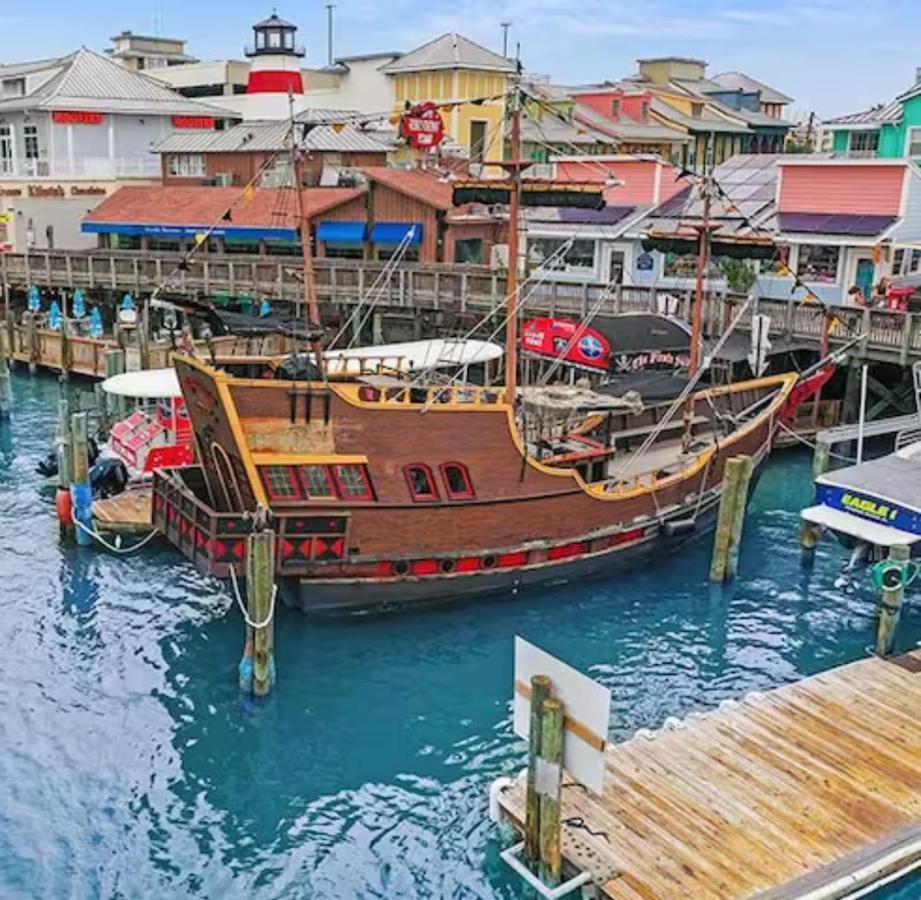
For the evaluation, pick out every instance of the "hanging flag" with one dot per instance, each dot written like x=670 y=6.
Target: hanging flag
x=761 y=344
x=200 y=238
x=338 y=127
x=249 y=192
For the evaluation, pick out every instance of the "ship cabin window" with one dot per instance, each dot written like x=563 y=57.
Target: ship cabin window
x=421 y=482
x=280 y=482
x=352 y=482
x=317 y=481
x=457 y=481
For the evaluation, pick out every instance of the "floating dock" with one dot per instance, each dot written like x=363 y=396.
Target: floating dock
x=810 y=790
x=125 y=513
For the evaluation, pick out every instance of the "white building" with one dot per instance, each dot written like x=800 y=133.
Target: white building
x=73 y=130
x=143 y=53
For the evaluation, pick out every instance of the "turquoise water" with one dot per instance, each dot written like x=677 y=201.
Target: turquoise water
x=131 y=768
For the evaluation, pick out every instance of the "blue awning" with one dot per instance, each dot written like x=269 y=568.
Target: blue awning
x=180 y=231
x=341 y=232
x=394 y=232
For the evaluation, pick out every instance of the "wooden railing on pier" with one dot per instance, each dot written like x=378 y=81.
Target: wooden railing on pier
x=450 y=289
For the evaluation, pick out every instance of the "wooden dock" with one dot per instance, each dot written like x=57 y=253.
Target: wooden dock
x=811 y=790
x=125 y=513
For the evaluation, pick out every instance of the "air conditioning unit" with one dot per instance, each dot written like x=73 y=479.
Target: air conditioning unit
x=224 y=179
x=498 y=256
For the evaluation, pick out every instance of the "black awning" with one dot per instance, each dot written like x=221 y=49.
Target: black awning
x=734 y=249
x=572 y=196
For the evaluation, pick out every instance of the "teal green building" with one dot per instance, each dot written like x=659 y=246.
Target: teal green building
x=887 y=131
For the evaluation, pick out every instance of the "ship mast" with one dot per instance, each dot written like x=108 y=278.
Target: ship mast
x=703 y=258
x=514 y=167
x=310 y=285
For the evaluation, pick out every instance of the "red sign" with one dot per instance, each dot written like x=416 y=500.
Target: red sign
x=577 y=343
x=422 y=126
x=203 y=122
x=67 y=117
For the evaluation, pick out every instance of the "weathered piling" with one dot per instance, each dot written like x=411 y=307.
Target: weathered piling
x=6 y=396
x=540 y=691
x=115 y=365
x=733 y=501
x=144 y=335
x=550 y=780
x=32 y=340
x=810 y=532
x=892 y=576
x=80 y=494
x=257 y=668
x=62 y=500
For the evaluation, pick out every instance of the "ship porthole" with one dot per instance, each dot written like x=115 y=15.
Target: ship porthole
x=489 y=562
x=446 y=566
x=401 y=567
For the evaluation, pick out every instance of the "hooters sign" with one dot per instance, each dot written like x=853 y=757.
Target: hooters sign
x=576 y=343
x=422 y=126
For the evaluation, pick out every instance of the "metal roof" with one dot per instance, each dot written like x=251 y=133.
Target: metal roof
x=702 y=88
x=268 y=137
x=708 y=121
x=450 y=51
x=273 y=21
x=740 y=81
x=884 y=113
x=86 y=80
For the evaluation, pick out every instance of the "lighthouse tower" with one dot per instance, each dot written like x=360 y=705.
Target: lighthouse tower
x=275 y=72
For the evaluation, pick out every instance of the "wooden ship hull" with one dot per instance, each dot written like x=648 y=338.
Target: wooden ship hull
x=386 y=497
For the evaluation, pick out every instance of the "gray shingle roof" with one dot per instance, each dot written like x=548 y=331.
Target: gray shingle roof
x=450 y=51
x=268 y=137
x=733 y=81
x=86 y=80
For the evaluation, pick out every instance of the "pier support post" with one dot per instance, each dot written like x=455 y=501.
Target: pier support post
x=32 y=340
x=257 y=668
x=62 y=447
x=6 y=397
x=733 y=501
x=809 y=532
x=115 y=365
x=144 y=335
x=550 y=782
x=80 y=494
x=892 y=581
x=540 y=691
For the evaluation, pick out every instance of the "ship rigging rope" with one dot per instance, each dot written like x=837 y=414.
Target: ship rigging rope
x=115 y=548
x=813 y=445
x=685 y=393
x=243 y=612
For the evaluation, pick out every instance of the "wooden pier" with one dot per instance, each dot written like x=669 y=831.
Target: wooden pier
x=810 y=790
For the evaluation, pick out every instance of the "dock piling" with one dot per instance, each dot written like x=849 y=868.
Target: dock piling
x=549 y=784
x=115 y=365
x=257 y=668
x=810 y=532
x=892 y=577
x=6 y=397
x=80 y=493
x=62 y=447
x=540 y=691
x=733 y=501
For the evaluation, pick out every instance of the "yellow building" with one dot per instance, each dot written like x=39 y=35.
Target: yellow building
x=454 y=68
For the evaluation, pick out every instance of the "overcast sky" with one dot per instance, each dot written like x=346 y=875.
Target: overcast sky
x=832 y=56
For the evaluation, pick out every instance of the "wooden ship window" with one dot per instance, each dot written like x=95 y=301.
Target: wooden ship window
x=457 y=481
x=280 y=483
x=352 y=482
x=317 y=482
x=421 y=482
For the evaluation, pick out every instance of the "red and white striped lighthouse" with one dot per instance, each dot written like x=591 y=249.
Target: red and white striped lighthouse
x=276 y=60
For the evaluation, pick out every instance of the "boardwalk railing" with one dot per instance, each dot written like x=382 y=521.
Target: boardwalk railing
x=456 y=290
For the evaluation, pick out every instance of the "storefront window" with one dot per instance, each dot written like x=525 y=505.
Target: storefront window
x=410 y=254
x=579 y=257
x=186 y=165
x=30 y=140
x=333 y=250
x=469 y=250
x=818 y=262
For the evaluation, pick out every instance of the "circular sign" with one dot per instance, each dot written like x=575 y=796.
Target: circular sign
x=422 y=126
x=591 y=347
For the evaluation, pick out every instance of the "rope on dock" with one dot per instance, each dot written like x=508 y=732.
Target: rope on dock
x=113 y=547
x=243 y=612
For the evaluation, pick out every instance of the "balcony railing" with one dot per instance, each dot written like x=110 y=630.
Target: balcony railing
x=86 y=167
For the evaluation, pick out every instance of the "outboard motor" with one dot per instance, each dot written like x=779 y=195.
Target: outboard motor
x=299 y=367
x=49 y=465
x=108 y=477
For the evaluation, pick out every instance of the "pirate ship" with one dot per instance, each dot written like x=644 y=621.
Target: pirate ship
x=388 y=494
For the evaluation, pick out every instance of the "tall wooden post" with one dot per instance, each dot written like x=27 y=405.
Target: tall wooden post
x=80 y=494
x=62 y=498
x=511 y=326
x=733 y=501
x=6 y=397
x=257 y=668
x=540 y=691
x=891 y=596
x=809 y=531
x=115 y=365
x=144 y=334
x=550 y=783
x=32 y=340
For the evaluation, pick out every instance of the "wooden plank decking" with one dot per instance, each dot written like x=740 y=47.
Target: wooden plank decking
x=125 y=513
x=790 y=793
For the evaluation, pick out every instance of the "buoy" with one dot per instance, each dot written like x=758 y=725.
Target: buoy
x=65 y=506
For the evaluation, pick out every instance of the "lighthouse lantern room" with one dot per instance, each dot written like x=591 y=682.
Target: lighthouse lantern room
x=276 y=67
